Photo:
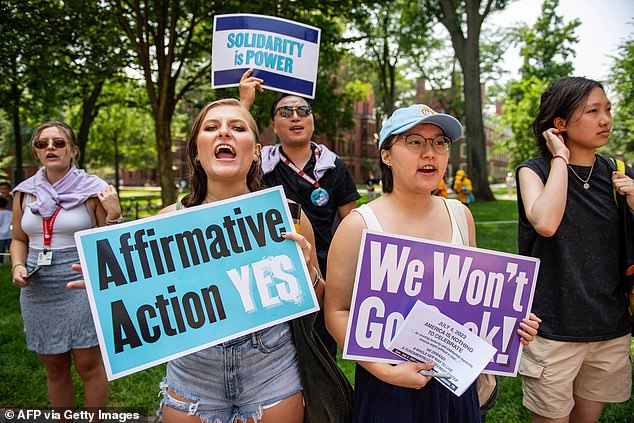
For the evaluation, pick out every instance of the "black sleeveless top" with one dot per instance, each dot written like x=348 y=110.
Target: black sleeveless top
x=579 y=294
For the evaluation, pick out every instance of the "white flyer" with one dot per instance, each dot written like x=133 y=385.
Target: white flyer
x=428 y=335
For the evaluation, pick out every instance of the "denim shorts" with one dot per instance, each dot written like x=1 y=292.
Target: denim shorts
x=236 y=379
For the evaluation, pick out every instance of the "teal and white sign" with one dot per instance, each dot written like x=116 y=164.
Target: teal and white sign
x=169 y=285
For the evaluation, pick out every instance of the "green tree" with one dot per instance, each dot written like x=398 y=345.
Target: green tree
x=167 y=38
x=547 y=46
x=122 y=138
x=172 y=39
x=33 y=41
x=95 y=56
x=622 y=81
x=547 y=50
x=390 y=31
x=463 y=20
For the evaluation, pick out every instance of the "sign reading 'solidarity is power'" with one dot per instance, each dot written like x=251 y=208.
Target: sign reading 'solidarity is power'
x=166 y=286
x=283 y=53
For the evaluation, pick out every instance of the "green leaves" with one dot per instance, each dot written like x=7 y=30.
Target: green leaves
x=547 y=50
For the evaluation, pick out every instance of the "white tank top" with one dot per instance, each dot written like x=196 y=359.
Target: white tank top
x=459 y=229
x=66 y=224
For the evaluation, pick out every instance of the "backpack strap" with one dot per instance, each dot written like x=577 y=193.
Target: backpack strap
x=619 y=166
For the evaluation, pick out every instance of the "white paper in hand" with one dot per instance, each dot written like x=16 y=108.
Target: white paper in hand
x=428 y=335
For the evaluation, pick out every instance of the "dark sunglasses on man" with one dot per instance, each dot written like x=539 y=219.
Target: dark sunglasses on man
x=287 y=111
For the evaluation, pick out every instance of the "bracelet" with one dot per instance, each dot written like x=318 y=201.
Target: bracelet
x=561 y=157
x=18 y=264
x=114 y=222
x=317 y=277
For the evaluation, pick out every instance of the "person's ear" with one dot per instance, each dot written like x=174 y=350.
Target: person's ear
x=560 y=123
x=258 y=151
x=386 y=158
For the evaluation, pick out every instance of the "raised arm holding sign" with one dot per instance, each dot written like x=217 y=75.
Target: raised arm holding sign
x=283 y=53
x=310 y=173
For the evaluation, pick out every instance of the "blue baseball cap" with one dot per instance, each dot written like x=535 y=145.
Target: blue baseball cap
x=407 y=117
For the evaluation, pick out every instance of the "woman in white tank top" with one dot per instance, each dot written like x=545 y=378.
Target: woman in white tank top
x=49 y=208
x=413 y=147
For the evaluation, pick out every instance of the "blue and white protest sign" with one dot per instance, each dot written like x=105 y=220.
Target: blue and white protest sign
x=283 y=53
x=166 y=286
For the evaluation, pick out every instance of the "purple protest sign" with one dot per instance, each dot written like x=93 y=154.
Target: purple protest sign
x=489 y=292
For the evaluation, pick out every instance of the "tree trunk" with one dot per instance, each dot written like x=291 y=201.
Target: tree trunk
x=164 y=145
x=116 y=161
x=88 y=115
x=467 y=50
x=476 y=141
x=18 y=174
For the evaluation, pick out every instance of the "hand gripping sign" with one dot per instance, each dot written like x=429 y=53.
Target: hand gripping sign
x=488 y=292
x=283 y=53
x=166 y=286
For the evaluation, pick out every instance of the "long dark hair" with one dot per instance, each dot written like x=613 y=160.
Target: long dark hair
x=197 y=175
x=69 y=135
x=560 y=100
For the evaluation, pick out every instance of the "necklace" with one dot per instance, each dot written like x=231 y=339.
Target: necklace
x=585 y=183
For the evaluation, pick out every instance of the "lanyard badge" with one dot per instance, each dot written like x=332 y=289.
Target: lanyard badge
x=45 y=258
x=319 y=196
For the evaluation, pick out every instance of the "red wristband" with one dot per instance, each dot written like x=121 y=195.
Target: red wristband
x=561 y=157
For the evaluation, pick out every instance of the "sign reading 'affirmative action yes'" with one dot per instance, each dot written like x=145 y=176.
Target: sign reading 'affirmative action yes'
x=169 y=285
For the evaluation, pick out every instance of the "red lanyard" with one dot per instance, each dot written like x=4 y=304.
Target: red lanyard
x=298 y=171
x=47 y=227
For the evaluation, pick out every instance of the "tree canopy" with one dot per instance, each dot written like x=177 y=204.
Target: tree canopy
x=547 y=49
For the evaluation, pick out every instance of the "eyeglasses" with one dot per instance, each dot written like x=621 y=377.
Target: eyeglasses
x=416 y=143
x=41 y=144
x=287 y=111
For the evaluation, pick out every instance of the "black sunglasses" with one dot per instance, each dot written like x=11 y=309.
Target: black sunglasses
x=41 y=144
x=287 y=111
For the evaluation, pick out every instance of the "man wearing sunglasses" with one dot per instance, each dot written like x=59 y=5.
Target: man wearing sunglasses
x=310 y=173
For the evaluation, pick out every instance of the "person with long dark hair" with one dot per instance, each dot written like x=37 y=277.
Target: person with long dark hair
x=568 y=219
x=414 y=147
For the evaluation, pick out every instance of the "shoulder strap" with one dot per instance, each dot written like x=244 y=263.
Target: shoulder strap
x=371 y=222
x=618 y=165
x=457 y=210
x=91 y=205
x=179 y=205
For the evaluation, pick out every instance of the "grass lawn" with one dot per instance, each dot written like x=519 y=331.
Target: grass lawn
x=24 y=382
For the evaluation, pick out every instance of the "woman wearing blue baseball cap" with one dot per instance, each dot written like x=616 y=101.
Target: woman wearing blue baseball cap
x=413 y=145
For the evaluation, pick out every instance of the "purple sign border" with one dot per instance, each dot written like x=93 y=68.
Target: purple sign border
x=487 y=291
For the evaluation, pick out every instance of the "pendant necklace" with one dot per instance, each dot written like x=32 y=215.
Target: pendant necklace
x=586 y=184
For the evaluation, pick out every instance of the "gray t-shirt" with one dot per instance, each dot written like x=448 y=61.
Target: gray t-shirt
x=579 y=296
